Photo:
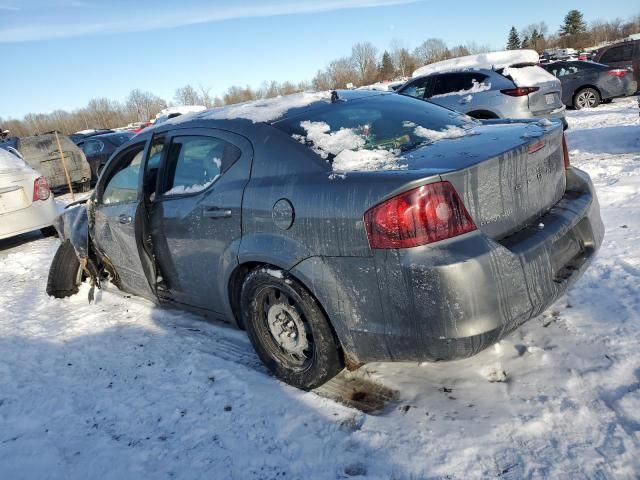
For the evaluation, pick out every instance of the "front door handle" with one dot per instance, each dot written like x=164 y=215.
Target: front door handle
x=217 y=212
x=125 y=219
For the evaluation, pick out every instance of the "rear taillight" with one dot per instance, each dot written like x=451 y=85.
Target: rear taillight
x=520 y=91
x=420 y=216
x=41 y=189
x=565 y=153
x=618 y=72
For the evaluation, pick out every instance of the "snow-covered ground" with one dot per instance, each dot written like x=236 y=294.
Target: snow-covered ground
x=123 y=389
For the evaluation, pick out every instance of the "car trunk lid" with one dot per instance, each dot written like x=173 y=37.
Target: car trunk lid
x=16 y=191
x=506 y=175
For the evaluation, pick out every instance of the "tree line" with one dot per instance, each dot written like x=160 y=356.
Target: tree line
x=573 y=33
x=364 y=65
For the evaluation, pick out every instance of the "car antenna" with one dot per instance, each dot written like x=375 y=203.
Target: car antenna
x=334 y=97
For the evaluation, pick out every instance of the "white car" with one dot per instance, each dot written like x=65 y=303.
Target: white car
x=26 y=202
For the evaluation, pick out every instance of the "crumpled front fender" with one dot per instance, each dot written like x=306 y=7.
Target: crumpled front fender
x=73 y=225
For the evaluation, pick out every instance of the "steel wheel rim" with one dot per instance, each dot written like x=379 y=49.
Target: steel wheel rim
x=586 y=99
x=287 y=333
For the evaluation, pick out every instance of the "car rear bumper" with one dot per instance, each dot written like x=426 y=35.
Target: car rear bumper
x=38 y=215
x=452 y=299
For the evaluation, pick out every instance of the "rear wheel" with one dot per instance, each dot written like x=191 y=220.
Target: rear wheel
x=65 y=273
x=586 y=98
x=289 y=330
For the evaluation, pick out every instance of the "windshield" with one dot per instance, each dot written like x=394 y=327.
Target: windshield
x=388 y=124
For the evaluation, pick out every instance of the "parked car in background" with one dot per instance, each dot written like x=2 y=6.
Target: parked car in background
x=84 y=134
x=493 y=85
x=42 y=154
x=621 y=55
x=587 y=84
x=26 y=202
x=172 y=112
x=98 y=149
x=341 y=228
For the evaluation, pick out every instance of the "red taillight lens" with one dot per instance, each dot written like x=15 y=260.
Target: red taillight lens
x=617 y=72
x=41 y=189
x=420 y=216
x=520 y=91
x=565 y=152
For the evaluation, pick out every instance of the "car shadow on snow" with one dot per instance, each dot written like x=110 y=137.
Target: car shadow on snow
x=7 y=244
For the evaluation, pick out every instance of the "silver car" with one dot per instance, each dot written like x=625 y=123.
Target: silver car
x=338 y=230
x=514 y=92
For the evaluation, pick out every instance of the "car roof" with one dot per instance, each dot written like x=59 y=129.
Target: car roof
x=240 y=116
x=485 y=71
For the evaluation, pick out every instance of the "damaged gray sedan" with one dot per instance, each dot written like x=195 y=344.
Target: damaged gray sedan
x=339 y=229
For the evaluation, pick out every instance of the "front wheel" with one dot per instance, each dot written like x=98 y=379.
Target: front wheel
x=586 y=98
x=289 y=330
x=65 y=273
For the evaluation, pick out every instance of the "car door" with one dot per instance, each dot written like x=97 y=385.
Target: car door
x=196 y=213
x=119 y=222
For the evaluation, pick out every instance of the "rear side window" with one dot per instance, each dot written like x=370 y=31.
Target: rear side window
x=622 y=53
x=461 y=83
x=196 y=162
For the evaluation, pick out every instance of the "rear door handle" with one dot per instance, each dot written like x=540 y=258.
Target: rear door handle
x=125 y=219
x=217 y=212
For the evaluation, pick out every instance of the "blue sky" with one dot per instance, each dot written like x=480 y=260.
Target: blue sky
x=60 y=54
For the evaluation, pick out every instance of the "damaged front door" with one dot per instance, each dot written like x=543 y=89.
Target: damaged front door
x=119 y=221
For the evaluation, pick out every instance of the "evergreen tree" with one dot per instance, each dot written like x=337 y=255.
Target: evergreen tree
x=573 y=24
x=386 y=69
x=514 y=39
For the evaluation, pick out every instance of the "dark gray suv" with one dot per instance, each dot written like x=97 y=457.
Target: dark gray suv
x=339 y=229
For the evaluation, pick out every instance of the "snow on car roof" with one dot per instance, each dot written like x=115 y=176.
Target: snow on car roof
x=9 y=162
x=491 y=60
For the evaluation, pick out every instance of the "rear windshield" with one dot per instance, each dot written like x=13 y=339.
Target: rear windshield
x=120 y=138
x=9 y=162
x=389 y=124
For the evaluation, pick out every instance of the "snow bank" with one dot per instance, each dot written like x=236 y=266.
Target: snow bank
x=527 y=76
x=269 y=109
x=9 y=163
x=491 y=60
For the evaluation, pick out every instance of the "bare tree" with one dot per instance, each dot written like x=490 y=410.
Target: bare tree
x=144 y=105
x=364 y=57
x=430 y=51
x=187 y=95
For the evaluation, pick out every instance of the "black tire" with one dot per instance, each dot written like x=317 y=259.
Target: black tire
x=64 y=274
x=586 y=97
x=265 y=296
x=49 y=231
